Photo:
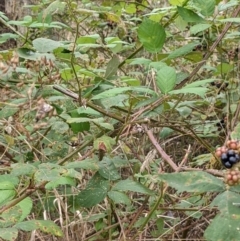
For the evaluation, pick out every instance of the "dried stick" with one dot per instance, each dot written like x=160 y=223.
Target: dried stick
x=163 y=154
x=184 y=160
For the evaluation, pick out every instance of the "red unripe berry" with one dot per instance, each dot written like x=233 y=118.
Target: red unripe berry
x=235 y=178
x=229 y=177
x=218 y=153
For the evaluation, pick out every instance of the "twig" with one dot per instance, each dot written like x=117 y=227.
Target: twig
x=184 y=160
x=136 y=216
x=27 y=193
x=10 y=27
x=88 y=103
x=101 y=231
x=163 y=154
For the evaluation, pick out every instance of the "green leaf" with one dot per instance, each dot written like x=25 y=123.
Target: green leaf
x=55 y=7
x=130 y=81
x=60 y=181
x=67 y=74
x=73 y=174
x=5 y=36
x=60 y=127
x=10 y=217
x=176 y=2
x=119 y=198
x=98 y=121
x=95 y=191
x=107 y=141
x=25 y=22
x=184 y=111
x=227 y=202
x=108 y=170
x=23 y=169
x=87 y=164
x=58 y=25
x=95 y=217
x=88 y=39
x=200 y=83
x=6 y=196
x=180 y=23
x=9 y=178
x=189 y=15
x=26 y=225
x=224 y=228
x=3 y=16
x=226 y=225
x=199 y=28
x=7 y=185
x=138 y=61
x=7 y=111
x=224 y=68
x=88 y=111
x=114 y=44
x=195 y=56
x=158 y=65
x=120 y=90
x=45 y=226
x=26 y=207
x=166 y=79
x=31 y=55
x=79 y=126
x=114 y=101
x=48 y=172
x=207 y=6
x=235 y=134
x=232 y=20
x=130 y=185
x=44 y=45
x=182 y=51
x=165 y=132
x=112 y=67
x=193 y=182
x=152 y=35
x=201 y=91
x=9 y=234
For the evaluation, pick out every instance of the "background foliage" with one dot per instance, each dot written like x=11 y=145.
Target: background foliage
x=110 y=113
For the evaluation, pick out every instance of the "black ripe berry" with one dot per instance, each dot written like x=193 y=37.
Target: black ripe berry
x=231 y=153
x=229 y=158
x=237 y=157
x=224 y=157
x=232 y=159
x=227 y=164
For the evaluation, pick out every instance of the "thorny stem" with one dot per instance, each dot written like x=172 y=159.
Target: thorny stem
x=194 y=72
x=88 y=103
x=211 y=50
x=73 y=56
x=27 y=193
x=101 y=231
x=139 y=212
x=10 y=27
x=75 y=152
x=154 y=208
x=141 y=47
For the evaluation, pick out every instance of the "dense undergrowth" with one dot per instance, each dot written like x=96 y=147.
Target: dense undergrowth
x=110 y=114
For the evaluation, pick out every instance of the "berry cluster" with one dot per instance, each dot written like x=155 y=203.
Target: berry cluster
x=230 y=158
x=229 y=154
x=232 y=177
